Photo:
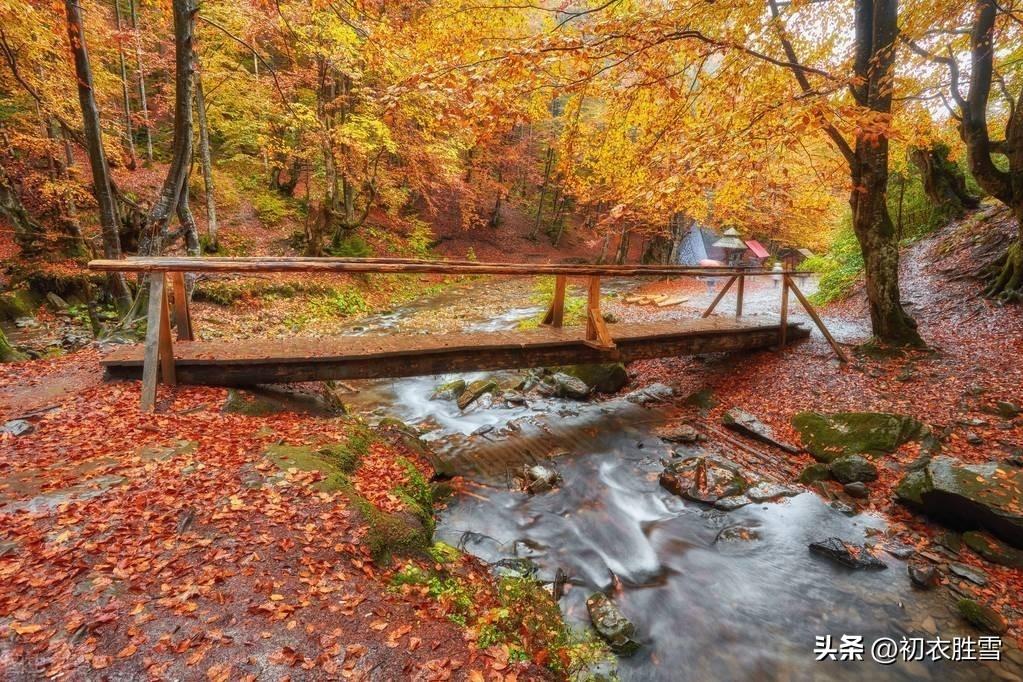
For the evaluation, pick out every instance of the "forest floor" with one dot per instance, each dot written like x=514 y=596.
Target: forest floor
x=173 y=545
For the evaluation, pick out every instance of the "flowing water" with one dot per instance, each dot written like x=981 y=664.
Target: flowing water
x=706 y=606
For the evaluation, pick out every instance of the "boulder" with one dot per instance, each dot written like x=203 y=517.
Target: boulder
x=982 y=616
x=56 y=301
x=608 y=377
x=614 y=627
x=993 y=549
x=732 y=503
x=568 y=386
x=968 y=496
x=829 y=436
x=452 y=390
x=682 y=433
x=743 y=422
x=857 y=490
x=703 y=479
x=17 y=427
x=818 y=471
x=924 y=576
x=847 y=554
x=474 y=390
x=974 y=575
x=768 y=492
x=1007 y=410
x=852 y=468
x=654 y=393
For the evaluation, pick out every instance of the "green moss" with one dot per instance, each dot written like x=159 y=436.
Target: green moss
x=352 y=246
x=828 y=436
x=443 y=553
x=982 y=616
x=391 y=534
x=17 y=303
x=271 y=207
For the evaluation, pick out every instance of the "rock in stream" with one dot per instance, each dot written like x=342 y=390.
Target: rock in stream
x=614 y=627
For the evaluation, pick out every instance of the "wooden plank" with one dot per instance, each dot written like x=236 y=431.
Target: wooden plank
x=721 y=294
x=151 y=354
x=167 y=374
x=817 y=320
x=283 y=360
x=408 y=266
x=182 y=315
x=597 y=333
x=738 y=297
x=556 y=313
x=783 y=327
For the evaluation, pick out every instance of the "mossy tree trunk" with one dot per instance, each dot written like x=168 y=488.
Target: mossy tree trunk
x=7 y=352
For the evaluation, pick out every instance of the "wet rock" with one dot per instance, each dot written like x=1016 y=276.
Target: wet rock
x=743 y=422
x=900 y=551
x=842 y=508
x=486 y=428
x=847 y=554
x=17 y=427
x=982 y=616
x=768 y=492
x=452 y=390
x=924 y=576
x=540 y=478
x=56 y=301
x=950 y=540
x=829 y=436
x=568 y=386
x=614 y=627
x=735 y=534
x=818 y=471
x=1007 y=410
x=968 y=495
x=654 y=393
x=682 y=433
x=264 y=401
x=973 y=439
x=992 y=549
x=732 y=503
x=513 y=398
x=609 y=377
x=853 y=468
x=516 y=567
x=703 y=479
x=857 y=490
x=474 y=391
x=974 y=575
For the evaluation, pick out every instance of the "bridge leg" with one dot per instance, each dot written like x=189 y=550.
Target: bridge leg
x=784 y=330
x=597 y=333
x=738 y=299
x=721 y=294
x=182 y=315
x=816 y=319
x=556 y=313
x=159 y=350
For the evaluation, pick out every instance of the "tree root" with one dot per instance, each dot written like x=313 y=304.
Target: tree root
x=1007 y=284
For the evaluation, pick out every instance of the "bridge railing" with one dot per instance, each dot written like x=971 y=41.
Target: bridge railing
x=159 y=353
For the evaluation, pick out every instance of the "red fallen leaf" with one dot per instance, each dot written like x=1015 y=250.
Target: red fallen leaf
x=100 y=662
x=128 y=651
x=413 y=643
x=219 y=672
x=378 y=625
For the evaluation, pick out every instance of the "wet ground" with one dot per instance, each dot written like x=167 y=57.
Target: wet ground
x=707 y=604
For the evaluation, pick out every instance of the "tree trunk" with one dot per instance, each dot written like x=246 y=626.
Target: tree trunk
x=94 y=145
x=28 y=234
x=876 y=29
x=143 y=104
x=129 y=136
x=207 y=165
x=944 y=183
x=176 y=183
x=623 y=247
x=548 y=166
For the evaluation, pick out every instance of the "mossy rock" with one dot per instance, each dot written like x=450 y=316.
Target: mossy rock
x=451 y=390
x=818 y=471
x=390 y=534
x=992 y=549
x=17 y=303
x=982 y=616
x=829 y=436
x=853 y=469
x=968 y=496
x=474 y=390
x=608 y=377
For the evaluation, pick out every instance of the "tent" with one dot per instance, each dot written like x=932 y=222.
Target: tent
x=698 y=245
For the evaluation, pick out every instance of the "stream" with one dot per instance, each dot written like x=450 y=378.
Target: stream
x=706 y=605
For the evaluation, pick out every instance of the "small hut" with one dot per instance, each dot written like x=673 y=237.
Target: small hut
x=792 y=258
x=755 y=253
x=732 y=245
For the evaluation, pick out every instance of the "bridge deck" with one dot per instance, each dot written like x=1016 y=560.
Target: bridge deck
x=240 y=362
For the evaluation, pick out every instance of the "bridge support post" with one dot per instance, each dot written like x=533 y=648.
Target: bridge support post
x=721 y=295
x=556 y=312
x=597 y=334
x=738 y=297
x=182 y=315
x=158 y=361
x=808 y=307
x=784 y=330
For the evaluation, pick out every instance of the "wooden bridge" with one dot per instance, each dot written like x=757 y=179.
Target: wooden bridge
x=234 y=363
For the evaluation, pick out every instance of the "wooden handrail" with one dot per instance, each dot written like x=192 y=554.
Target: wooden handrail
x=409 y=266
